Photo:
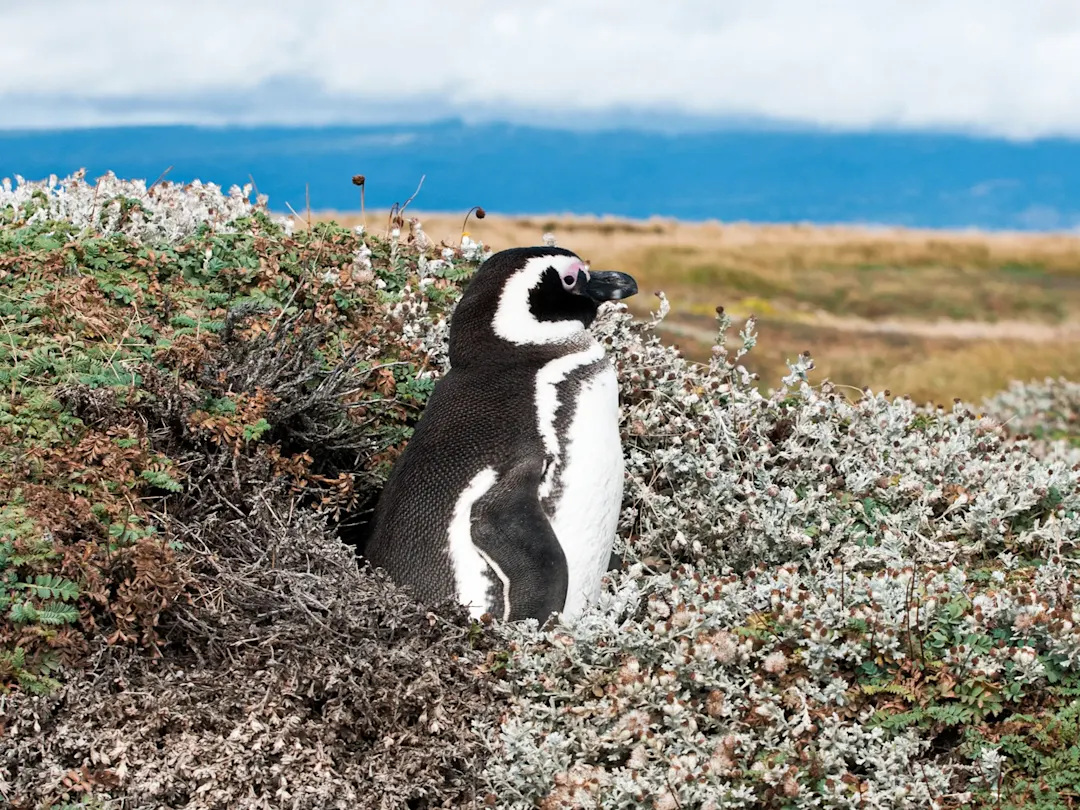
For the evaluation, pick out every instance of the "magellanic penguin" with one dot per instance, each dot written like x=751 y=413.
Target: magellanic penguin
x=507 y=496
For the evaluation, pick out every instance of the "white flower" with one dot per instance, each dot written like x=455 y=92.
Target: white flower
x=1024 y=656
x=775 y=663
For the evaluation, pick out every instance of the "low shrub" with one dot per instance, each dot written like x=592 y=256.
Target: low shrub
x=827 y=600
x=194 y=394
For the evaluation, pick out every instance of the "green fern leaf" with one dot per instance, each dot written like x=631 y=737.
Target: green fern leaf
x=48 y=586
x=57 y=613
x=39 y=685
x=254 y=432
x=22 y=613
x=161 y=480
x=900 y=720
x=13 y=660
x=951 y=715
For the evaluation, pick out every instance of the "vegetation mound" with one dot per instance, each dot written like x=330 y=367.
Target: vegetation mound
x=827 y=600
x=192 y=395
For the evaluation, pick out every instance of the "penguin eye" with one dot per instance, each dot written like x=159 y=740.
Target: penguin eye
x=570 y=275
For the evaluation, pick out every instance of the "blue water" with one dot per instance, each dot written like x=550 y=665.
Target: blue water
x=938 y=181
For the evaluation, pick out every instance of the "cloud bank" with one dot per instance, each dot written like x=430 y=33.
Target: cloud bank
x=995 y=67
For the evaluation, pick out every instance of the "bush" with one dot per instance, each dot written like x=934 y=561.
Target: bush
x=194 y=395
x=830 y=603
x=1049 y=409
x=827 y=601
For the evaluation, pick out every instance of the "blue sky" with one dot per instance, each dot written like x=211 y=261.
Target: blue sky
x=995 y=67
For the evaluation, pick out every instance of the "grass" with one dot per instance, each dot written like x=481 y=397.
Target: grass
x=869 y=290
x=929 y=314
x=926 y=369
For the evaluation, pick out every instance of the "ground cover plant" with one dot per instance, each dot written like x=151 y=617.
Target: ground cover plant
x=830 y=598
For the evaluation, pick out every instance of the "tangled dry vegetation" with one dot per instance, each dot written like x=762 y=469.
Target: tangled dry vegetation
x=828 y=601
x=191 y=397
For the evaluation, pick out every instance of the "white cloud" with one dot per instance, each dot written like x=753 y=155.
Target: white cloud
x=994 y=66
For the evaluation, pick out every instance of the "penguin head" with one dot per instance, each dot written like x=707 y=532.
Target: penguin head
x=532 y=296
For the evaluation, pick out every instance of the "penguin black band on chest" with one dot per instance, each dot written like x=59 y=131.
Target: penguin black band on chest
x=507 y=496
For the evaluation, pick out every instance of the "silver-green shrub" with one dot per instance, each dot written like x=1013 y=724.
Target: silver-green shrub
x=792 y=556
x=162 y=211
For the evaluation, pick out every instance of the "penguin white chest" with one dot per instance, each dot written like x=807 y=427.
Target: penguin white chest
x=586 y=512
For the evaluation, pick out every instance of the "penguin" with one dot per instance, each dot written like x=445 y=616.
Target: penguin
x=507 y=495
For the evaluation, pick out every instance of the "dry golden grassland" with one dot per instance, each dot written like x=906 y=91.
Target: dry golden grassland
x=932 y=314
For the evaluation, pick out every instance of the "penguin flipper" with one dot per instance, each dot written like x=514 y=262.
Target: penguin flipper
x=510 y=527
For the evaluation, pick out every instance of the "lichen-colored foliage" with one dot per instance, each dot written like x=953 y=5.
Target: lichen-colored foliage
x=829 y=603
x=1049 y=409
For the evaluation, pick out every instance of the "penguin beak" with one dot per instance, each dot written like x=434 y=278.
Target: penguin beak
x=608 y=285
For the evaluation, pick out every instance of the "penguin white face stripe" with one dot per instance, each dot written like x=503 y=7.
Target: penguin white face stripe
x=470 y=567
x=547 y=401
x=515 y=322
